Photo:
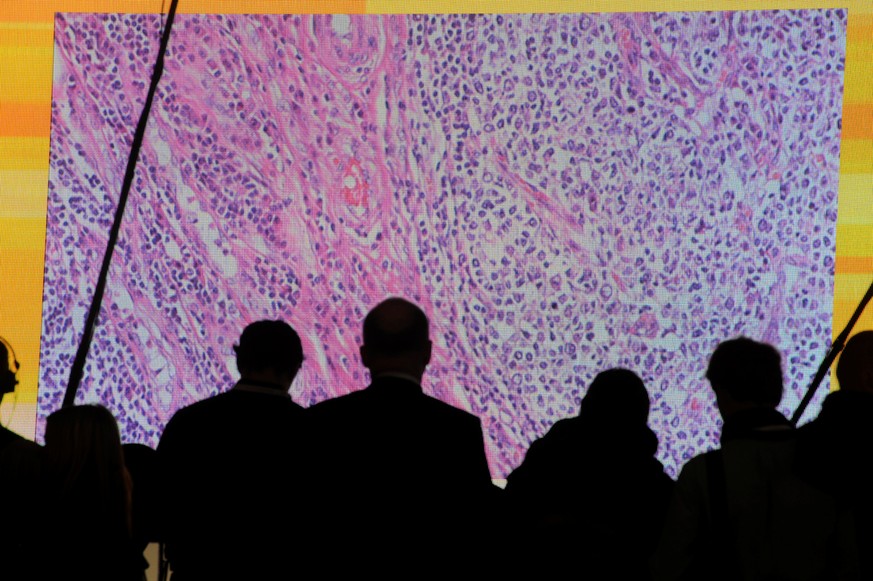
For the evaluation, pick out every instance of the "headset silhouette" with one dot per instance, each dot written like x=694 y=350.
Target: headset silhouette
x=8 y=372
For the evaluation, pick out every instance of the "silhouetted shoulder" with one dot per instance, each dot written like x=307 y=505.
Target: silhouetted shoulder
x=396 y=398
x=563 y=431
x=236 y=406
x=17 y=445
x=336 y=404
x=392 y=427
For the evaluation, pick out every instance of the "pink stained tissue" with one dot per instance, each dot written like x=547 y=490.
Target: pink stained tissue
x=561 y=193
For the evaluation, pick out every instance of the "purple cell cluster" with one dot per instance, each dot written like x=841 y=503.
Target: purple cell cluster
x=561 y=193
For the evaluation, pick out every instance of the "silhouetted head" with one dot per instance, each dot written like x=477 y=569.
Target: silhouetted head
x=8 y=368
x=84 y=459
x=855 y=367
x=745 y=373
x=270 y=351
x=83 y=434
x=616 y=396
x=396 y=338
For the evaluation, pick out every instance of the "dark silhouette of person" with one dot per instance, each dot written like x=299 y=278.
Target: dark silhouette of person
x=591 y=489
x=9 y=367
x=404 y=486
x=742 y=511
x=86 y=527
x=836 y=447
x=141 y=462
x=20 y=472
x=231 y=468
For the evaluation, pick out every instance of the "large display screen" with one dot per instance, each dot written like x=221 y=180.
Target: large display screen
x=561 y=193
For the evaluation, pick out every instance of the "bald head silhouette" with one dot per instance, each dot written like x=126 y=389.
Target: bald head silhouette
x=396 y=338
x=269 y=351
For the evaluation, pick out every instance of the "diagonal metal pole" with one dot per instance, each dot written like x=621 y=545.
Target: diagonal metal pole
x=96 y=303
x=837 y=346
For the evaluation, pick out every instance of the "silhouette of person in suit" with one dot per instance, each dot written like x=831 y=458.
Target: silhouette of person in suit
x=231 y=468
x=404 y=482
x=742 y=511
x=836 y=447
x=592 y=487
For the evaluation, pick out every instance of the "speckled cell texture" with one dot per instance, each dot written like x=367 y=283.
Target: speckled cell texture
x=561 y=193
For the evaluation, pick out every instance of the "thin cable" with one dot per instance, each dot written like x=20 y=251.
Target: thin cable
x=91 y=321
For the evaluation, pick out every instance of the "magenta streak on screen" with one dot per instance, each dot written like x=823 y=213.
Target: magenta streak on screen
x=560 y=193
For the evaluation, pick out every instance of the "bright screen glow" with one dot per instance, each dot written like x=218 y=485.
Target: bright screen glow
x=561 y=193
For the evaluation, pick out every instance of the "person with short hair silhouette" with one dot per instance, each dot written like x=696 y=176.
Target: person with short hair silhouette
x=836 y=447
x=403 y=480
x=231 y=468
x=742 y=512
x=592 y=486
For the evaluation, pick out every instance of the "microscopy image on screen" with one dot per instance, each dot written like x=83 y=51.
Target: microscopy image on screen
x=561 y=193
